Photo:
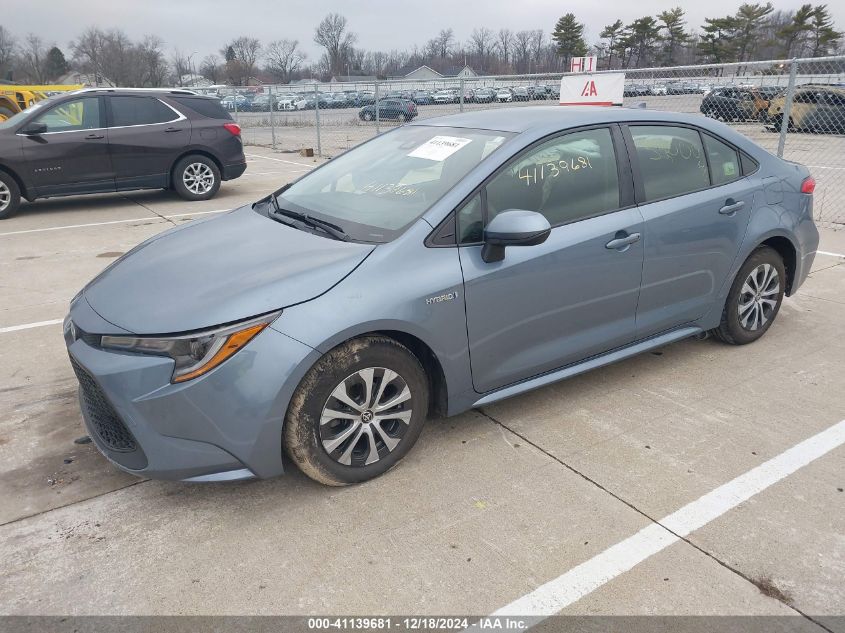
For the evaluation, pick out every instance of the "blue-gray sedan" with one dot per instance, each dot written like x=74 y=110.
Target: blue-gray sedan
x=443 y=265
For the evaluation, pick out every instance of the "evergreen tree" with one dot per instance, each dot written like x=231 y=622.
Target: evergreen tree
x=55 y=65
x=569 y=38
x=673 y=23
x=824 y=35
x=611 y=33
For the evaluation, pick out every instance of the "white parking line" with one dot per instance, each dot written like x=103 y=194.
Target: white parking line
x=559 y=593
x=82 y=226
x=279 y=160
x=830 y=254
x=27 y=326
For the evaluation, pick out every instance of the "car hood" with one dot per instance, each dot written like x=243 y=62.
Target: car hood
x=218 y=271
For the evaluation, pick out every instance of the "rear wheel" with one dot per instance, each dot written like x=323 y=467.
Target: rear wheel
x=754 y=299
x=357 y=412
x=368 y=116
x=196 y=177
x=10 y=196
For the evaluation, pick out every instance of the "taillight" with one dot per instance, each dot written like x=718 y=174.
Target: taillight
x=809 y=185
x=233 y=128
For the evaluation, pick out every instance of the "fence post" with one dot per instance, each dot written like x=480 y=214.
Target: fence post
x=787 y=106
x=462 y=94
x=376 y=106
x=235 y=102
x=317 y=114
x=272 y=122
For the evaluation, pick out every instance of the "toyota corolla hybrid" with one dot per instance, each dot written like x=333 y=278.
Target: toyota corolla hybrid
x=441 y=266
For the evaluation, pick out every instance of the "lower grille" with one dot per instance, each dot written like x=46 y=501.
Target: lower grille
x=106 y=422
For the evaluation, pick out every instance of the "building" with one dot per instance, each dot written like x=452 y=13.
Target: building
x=427 y=72
x=351 y=79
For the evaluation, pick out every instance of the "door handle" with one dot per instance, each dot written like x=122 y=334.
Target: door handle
x=92 y=137
x=731 y=206
x=621 y=243
x=173 y=129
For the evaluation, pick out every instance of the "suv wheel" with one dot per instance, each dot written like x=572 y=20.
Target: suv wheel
x=357 y=412
x=754 y=299
x=10 y=196
x=196 y=177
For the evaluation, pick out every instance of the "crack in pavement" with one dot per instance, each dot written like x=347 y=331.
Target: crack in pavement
x=647 y=516
x=155 y=213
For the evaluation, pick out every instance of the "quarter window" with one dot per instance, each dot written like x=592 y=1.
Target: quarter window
x=671 y=160
x=77 y=114
x=724 y=162
x=127 y=111
x=567 y=179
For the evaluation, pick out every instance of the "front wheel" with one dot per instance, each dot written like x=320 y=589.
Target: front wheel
x=196 y=177
x=754 y=299
x=357 y=412
x=10 y=196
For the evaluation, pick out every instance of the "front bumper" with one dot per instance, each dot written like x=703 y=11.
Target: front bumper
x=224 y=425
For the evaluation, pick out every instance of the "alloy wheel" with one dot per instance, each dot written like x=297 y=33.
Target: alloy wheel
x=5 y=196
x=366 y=416
x=758 y=298
x=198 y=178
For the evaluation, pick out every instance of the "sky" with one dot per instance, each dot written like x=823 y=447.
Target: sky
x=203 y=26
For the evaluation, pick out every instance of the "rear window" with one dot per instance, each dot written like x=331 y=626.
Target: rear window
x=128 y=111
x=210 y=108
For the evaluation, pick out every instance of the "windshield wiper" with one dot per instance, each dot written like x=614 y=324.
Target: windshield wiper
x=327 y=227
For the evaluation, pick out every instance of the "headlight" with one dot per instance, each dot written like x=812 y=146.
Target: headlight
x=194 y=354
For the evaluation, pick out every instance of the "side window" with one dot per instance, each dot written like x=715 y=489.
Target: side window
x=78 y=114
x=470 y=221
x=671 y=160
x=724 y=162
x=749 y=165
x=567 y=179
x=139 y=111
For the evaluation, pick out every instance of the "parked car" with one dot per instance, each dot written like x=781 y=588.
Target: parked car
x=444 y=96
x=96 y=141
x=236 y=102
x=814 y=109
x=658 y=89
x=520 y=93
x=504 y=95
x=635 y=90
x=728 y=104
x=422 y=97
x=261 y=103
x=485 y=95
x=538 y=92
x=543 y=263
x=396 y=109
x=287 y=102
x=308 y=102
x=338 y=100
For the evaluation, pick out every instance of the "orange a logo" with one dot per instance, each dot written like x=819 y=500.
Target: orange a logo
x=590 y=89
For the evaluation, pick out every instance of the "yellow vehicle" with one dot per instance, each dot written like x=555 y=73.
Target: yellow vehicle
x=815 y=108
x=14 y=99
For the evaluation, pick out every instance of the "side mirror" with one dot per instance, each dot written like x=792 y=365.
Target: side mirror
x=514 y=227
x=34 y=129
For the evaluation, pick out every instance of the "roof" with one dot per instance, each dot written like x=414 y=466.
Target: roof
x=553 y=118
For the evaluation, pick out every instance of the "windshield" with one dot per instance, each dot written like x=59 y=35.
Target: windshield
x=376 y=190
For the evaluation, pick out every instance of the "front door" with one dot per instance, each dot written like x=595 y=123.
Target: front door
x=72 y=155
x=571 y=297
x=696 y=205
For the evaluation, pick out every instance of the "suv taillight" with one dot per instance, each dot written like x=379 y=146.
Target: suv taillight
x=809 y=185
x=233 y=128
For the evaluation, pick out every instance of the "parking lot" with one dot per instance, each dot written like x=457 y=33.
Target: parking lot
x=564 y=500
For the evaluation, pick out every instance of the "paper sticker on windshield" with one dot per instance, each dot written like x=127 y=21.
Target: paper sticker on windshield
x=440 y=147
x=729 y=169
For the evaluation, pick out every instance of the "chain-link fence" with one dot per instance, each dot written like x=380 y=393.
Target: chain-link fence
x=793 y=108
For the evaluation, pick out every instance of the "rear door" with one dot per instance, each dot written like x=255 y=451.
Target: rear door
x=573 y=296
x=72 y=155
x=146 y=136
x=696 y=205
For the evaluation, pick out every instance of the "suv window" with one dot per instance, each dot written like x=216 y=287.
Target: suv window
x=569 y=178
x=76 y=114
x=139 y=111
x=724 y=162
x=210 y=108
x=671 y=160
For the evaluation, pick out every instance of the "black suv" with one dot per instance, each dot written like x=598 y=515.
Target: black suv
x=100 y=140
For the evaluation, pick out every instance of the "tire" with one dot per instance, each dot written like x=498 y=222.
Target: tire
x=740 y=325
x=368 y=116
x=336 y=452
x=10 y=196
x=196 y=177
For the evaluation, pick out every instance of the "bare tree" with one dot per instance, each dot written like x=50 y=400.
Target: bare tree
x=181 y=65
x=151 y=62
x=522 y=49
x=7 y=49
x=482 y=42
x=89 y=50
x=210 y=68
x=445 y=42
x=241 y=57
x=284 y=58
x=33 y=59
x=505 y=41
x=332 y=35
x=538 y=42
